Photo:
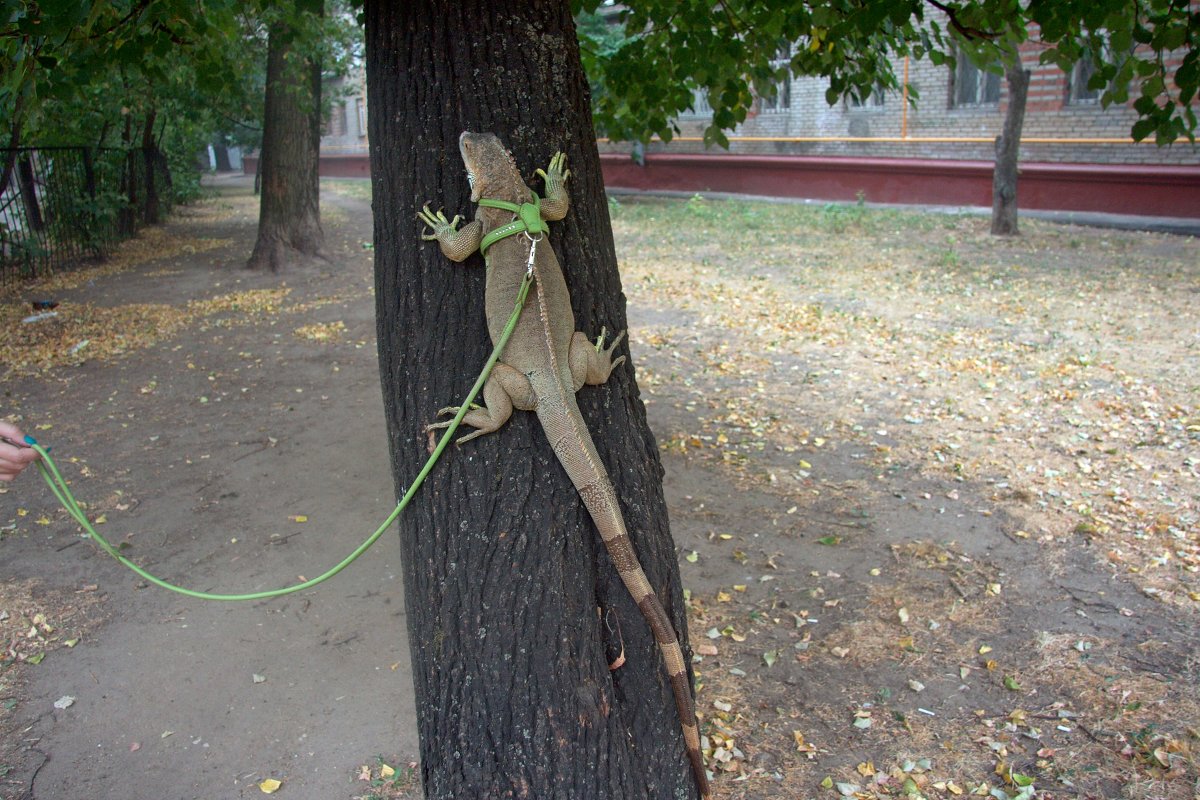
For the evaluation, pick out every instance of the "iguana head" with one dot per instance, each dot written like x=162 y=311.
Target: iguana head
x=491 y=170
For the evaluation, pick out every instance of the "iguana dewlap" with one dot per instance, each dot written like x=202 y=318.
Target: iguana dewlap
x=546 y=362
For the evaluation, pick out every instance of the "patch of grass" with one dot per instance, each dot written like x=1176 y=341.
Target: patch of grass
x=357 y=188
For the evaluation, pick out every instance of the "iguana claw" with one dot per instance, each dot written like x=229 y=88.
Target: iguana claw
x=437 y=222
x=555 y=174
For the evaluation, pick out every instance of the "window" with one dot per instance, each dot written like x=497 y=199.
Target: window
x=781 y=99
x=1085 y=69
x=360 y=109
x=972 y=86
x=1078 y=92
x=700 y=104
x=872 y=103
x=337 y=120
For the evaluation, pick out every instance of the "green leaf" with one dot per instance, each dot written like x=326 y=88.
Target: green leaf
x=829 y=540
x=1143 y=128
x=1011 y=684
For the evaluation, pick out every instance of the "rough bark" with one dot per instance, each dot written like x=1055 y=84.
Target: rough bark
x=289 y=220
x=151 y=211
x=1008 y=145
x=512 y=603
x=29 y=196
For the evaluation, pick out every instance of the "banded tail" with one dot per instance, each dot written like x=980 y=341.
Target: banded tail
x=576 y=452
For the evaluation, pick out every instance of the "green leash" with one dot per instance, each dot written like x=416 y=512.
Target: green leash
x=58 y=485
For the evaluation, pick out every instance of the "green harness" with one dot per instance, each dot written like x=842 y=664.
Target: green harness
x=529 y=219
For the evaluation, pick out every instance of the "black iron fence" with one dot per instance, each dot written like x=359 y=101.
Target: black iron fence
x=61 y=205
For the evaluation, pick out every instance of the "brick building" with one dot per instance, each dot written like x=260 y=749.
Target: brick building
x=1075 y=154
x=959 y=113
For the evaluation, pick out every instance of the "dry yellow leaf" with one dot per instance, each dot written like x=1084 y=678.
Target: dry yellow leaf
x=386 y=772
x=269 y=786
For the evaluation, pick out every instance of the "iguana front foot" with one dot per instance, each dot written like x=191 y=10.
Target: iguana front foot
x=557 y=201
x=441 y=226
x=455 y=244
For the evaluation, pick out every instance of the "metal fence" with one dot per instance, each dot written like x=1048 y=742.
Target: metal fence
x=61 y=205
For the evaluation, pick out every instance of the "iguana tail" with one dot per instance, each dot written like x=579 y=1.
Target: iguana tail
x=575 y=450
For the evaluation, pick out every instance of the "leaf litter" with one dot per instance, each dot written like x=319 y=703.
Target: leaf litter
x=1047 y=380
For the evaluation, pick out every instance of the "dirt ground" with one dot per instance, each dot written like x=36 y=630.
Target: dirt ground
x=934 y=496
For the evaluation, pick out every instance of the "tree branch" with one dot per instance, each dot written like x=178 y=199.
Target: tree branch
x=965 y=30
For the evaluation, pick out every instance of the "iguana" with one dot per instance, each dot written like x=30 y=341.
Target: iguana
x=547 y=361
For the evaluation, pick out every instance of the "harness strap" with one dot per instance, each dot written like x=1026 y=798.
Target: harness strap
x=529 y=219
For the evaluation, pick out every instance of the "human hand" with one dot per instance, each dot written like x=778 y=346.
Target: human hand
x=15 y=454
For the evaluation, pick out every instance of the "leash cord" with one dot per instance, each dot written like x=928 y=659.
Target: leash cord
x=58 y=486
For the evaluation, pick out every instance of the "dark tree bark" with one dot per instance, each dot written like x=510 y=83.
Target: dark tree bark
x=513 y=605
x=151 y=212
x=289 y=220
x=29 y=197
x=1008 y=146
x=221 y=152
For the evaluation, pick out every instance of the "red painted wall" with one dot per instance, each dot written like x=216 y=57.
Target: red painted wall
x=1151 y=190
x=1140 y=189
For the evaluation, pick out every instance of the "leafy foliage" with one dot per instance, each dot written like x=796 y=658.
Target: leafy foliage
x=172 y=74
x=728 y=51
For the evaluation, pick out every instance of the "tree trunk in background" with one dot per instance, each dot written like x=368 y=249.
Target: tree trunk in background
x=151 y=211
x=221 y=153
x=512 y=602
x=1008 y=146
x=289 y=220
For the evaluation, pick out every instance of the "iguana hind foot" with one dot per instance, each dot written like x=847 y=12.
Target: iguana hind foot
x=591 y=362
x=506 y=389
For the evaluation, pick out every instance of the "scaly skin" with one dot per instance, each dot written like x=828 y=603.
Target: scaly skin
x=544 y=364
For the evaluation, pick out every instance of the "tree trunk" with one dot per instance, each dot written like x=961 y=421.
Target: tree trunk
x=151 y=210
x=289 y=220
x=222 y=155
x=29 y=194
x=514 y=608
x=1008 y=145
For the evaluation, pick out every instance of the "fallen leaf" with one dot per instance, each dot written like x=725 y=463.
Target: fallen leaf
x=269 y=786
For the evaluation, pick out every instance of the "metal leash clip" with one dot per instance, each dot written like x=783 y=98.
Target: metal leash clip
x=533 y=243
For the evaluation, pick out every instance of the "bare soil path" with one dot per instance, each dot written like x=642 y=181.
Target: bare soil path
x=203 y=451
x=874 y=469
